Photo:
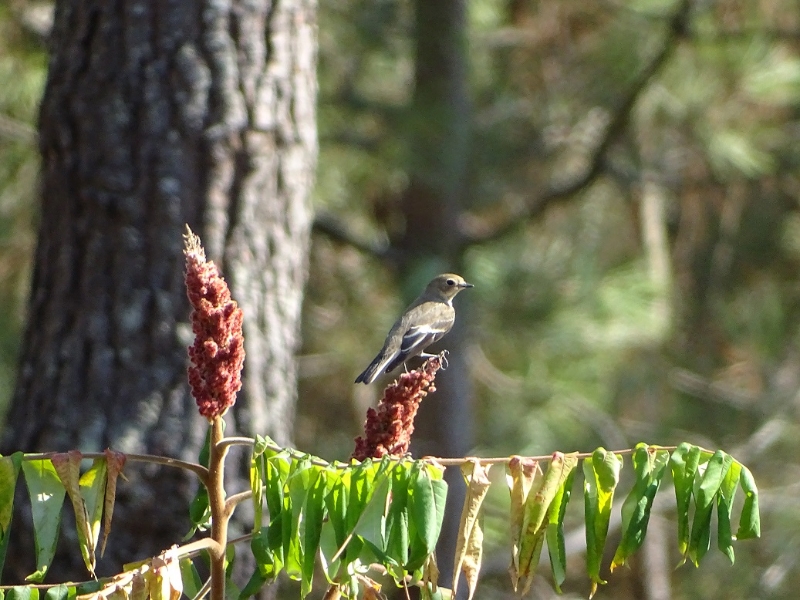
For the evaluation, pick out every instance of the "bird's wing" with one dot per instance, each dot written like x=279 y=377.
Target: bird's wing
x=423 y=325
x=416 y=339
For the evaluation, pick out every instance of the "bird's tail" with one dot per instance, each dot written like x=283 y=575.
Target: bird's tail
x=371 y=373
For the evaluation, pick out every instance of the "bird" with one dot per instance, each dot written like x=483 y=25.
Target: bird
x=424 y=322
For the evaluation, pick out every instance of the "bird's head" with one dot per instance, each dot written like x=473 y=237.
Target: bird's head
x=447 y=285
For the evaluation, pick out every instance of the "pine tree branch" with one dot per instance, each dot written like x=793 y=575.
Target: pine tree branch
x=559 y=191
x=337 y=230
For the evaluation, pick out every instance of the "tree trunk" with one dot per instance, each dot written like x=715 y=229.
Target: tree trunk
x=440 y=131
x=157 y=114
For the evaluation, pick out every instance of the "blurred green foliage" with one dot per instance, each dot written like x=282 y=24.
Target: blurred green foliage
x=23 y=64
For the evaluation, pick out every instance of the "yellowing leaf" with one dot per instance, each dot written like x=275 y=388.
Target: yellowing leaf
x=519 y=477
x=67 y=465
x=537 y=508
x=469 y=544
x=165 y=581
x=115 y=461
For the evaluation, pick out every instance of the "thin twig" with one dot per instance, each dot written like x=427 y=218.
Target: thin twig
x=235 y=500
x=198 y=470
x=335 y=229
x=534 y=206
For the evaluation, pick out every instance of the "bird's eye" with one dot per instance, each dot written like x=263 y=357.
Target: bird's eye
x=451 y=282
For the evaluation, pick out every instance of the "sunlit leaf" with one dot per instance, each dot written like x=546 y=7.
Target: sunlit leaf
x=649 y=465
x=705 y=491
x=313 y=514
x=371 y=524
x=537 y=508
x=397 y=534
x=300 y=480
x=190 y=577
x=469 y=543
x=9 y=471
x=601 y=476
x=427 y=497
x=47 y=497
x=556 y=547
x=93 y=488
x=725 y=509
x=683 y=465
x=519 y=477
x=750 y=521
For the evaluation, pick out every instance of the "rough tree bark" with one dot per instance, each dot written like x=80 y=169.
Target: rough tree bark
x=157 y=114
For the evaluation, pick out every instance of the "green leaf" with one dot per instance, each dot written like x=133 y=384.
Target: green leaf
x=258 y=468
x=313 y=514
x=649 y=466
x=724 y=510
x=9 y=471
x=371 y=525
x=750 y=521
x=274 y=538
x=21 y=592
x=199 y=509
x=60 y=592
x=190 y=578
x=397 y=537
x=601 y=476
x=705 y=491
x=230 y=558
x=683 y=464
x=361 y=479
x=298 y=484
x=252 y=587
x=267 y=553
x=47 y=497
x=334 y=529
x=93 y=491
x=427 y=497
x=199 y=512
x=555 y=531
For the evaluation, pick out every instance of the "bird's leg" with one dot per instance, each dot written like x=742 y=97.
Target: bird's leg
x=442 y=356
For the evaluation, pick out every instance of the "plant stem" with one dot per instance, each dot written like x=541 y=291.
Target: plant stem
x=219 y=514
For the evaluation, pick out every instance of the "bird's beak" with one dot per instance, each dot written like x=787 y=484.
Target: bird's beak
x=466 y=285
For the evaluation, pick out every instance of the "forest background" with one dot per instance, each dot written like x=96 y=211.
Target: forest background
x=629 y=216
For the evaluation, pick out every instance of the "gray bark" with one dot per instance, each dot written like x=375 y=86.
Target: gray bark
x=157 y=114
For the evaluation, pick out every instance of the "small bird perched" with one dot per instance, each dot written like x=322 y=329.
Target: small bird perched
x=425 y=321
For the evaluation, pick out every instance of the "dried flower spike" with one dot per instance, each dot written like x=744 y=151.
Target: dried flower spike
x=388 y=427
x=217 y=354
